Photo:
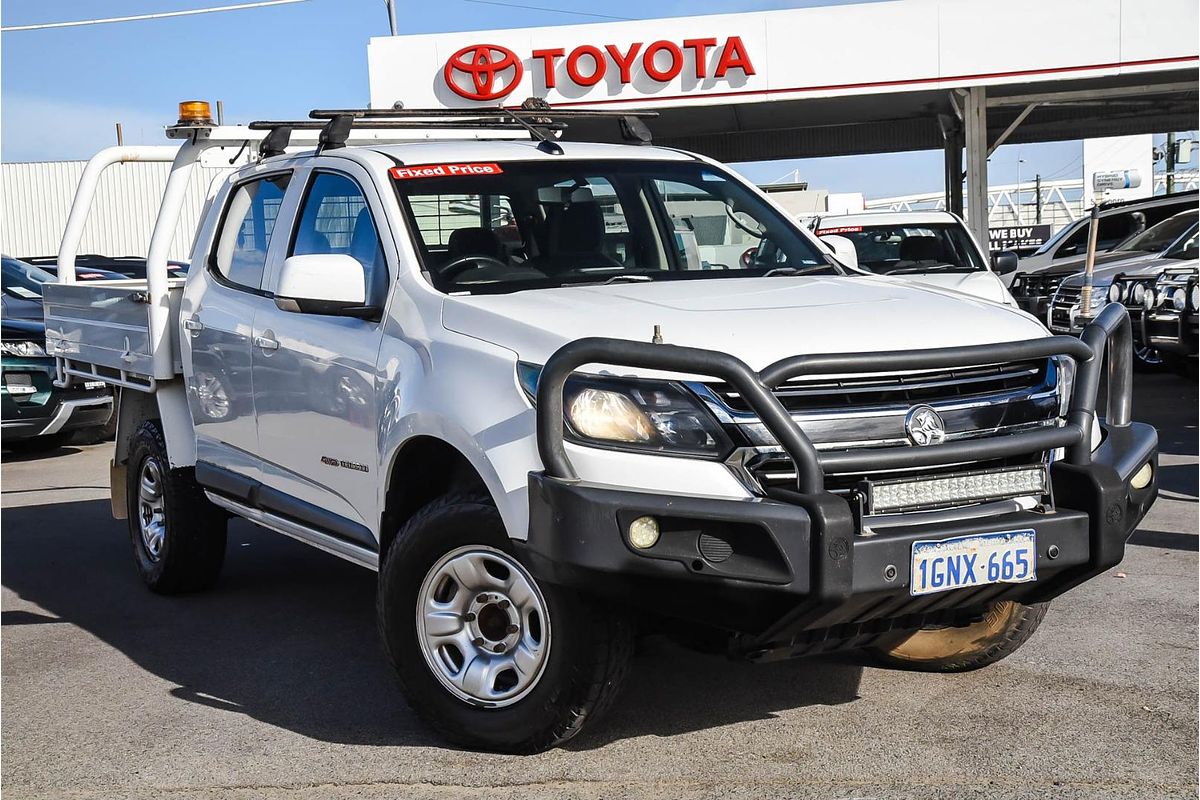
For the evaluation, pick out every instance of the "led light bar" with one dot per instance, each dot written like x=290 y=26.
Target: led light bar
x=912 y=494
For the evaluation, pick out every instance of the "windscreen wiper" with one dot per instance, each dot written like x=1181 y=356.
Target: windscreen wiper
x=794 y=270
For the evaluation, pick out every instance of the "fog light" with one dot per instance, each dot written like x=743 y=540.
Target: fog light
x=1141 y=478
x=643 y=532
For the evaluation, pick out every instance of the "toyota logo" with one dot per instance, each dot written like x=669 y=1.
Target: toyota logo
x=472 y=72
x=924 y=426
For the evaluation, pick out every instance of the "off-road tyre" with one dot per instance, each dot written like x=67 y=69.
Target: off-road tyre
x=1004 y=628
x=192 y=549
x=586 y=663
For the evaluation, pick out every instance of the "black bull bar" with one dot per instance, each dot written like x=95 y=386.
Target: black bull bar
x=834 y=581
x=1110 y=332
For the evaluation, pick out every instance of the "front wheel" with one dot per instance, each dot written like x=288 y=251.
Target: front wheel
x=1004 y=627
x=486 y=656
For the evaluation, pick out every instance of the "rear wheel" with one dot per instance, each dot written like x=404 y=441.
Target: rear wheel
x=1004 y=627
x=486 y=656
x=178 y=535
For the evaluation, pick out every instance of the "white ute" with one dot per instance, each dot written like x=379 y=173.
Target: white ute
x=523 y=378
x=930 y=247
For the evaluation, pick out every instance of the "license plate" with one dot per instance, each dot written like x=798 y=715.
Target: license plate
x=977 y=560
x=93 y=384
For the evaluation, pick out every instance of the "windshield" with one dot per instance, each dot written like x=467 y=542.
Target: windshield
x=1187 y=248
x=23 y=280
x=912 y=248
x=485 y=228
x=1162 y=235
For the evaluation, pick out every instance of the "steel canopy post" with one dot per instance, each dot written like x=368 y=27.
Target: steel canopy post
x=975 y=123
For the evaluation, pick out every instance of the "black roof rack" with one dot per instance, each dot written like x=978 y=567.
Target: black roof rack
x=535 y=116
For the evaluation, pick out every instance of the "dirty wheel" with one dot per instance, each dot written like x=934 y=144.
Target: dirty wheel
x=486 y=655
x=178 y=536
x=1004 y=627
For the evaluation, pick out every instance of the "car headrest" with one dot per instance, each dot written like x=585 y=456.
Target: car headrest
x=576 y=228
x=920 y=248
x=474 y=242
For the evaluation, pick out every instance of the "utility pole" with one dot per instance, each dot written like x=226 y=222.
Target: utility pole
x=1170 y=163
x=1037 y=184
x=120 y=135
x=391 y=9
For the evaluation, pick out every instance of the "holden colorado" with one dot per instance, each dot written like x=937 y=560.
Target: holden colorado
x=534 y=384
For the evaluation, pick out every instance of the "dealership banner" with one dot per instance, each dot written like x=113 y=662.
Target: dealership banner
x=1019 y=237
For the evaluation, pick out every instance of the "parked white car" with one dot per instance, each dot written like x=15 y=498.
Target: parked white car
x=930 y=247
x=503 y=373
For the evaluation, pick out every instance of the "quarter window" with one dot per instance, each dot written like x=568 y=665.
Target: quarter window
x=241 y=252
x=336 y=219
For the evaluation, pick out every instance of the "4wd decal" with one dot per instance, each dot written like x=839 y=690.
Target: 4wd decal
x=341 y=462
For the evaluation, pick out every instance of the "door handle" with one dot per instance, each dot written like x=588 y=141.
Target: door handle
x=266 y=343
x=193 y=324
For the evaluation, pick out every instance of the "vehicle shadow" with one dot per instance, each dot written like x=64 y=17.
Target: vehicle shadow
x=288 y=638
x=18 y=452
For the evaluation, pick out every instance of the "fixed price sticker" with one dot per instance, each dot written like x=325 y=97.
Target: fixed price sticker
x=443 y=171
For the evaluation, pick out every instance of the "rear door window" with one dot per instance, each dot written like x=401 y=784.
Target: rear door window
x=240 y=255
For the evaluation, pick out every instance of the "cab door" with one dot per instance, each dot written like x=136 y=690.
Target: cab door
x=318 y=418
x=216 y=315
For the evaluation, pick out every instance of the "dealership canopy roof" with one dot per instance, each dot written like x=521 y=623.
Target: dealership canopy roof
x=832 y=80
x=964 y=75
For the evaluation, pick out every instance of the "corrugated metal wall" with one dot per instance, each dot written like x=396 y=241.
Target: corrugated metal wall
x=36 y=199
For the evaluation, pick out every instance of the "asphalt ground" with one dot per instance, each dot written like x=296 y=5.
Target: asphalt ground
x=274 y=685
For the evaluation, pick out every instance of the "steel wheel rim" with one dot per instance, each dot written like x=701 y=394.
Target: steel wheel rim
x=482 y=626
x=152 y=509
x=1148 y=355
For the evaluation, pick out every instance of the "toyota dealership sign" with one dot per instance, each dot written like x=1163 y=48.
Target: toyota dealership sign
x=579 y=64
x=492 y=72
x=727 y=59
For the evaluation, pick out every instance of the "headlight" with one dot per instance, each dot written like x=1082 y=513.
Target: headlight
x=646 y=415
x=1138 y=293
x=1150 y=300
x=1065 y=375
x=1116 y=293
x=1195 y=297
x=1179 y=299
x=22 y=349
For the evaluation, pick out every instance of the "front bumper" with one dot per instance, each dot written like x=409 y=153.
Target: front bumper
x=794 y=577
x=1170 y=331
x=798 y=572
x=32 y=406
x=1037 y=306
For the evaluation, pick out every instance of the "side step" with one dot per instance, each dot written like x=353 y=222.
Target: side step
x=322 y=541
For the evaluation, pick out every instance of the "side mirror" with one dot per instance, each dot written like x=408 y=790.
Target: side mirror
x=325 y=283
x=843 y=249
x=1004 y=262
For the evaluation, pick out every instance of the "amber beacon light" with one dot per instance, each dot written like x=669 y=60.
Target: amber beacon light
x=195 y=112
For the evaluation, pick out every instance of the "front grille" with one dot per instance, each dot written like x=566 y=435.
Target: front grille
x=806 y=395
x=863 y=413
x=1066 y=298
x=1035 y=285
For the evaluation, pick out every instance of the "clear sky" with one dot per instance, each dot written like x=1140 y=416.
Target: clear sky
x=61 y=90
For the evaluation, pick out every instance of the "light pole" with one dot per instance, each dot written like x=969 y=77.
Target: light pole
x=391 y=9
x=1020 y=161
